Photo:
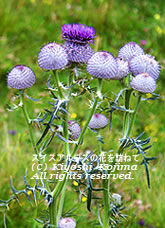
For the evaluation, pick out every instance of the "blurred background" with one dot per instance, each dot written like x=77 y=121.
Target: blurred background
x=25 y=26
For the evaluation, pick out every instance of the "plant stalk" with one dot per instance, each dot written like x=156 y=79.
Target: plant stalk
x=106 y=199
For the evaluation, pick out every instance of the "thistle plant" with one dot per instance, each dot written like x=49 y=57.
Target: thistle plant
x=138 y=70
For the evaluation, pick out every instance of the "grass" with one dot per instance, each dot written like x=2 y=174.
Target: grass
x=26 y=26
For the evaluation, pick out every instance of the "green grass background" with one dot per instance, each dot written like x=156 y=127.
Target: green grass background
x=26 y=25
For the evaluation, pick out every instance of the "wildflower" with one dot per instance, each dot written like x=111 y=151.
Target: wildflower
x=77 y=38
x=159 y=30
x=130 y=50
x=75 y=183
x=73 y=115
x=102 y=65
x=123 y=69
x=75 y=129
x=21 y=77
x=141 y=222
x=143 y=42
x=157 y=16
x=83 y=199
x=143 y=83
x=98 y=121
x=67 y=223
x=12 y=132
x=145 y=64
x=52 y=57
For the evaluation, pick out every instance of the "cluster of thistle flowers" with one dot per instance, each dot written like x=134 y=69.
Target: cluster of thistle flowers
x=76 y=49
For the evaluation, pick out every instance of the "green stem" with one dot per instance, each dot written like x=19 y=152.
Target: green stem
x=134 y=115
x=29 y=124
x=106 y=199
x=52 y=213
x=126 y=122
x=106 y=202
x=85 y=126
x=127 y=114
x=56 y=76
x=61 y=203
x=99 y=86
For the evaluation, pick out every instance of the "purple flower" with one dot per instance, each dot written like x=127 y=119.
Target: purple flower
x=123 y=69
x=141 y=222
x=67 y=223
x=143 y=83
x=74 y=128
x=78 y=33
x=77 y=37
x=145 y=64
x=52 y=57
x=21 y=77
x=130 y=50
x=102 y=65
x=12 y=132
x=143 y=42
x=98 y=121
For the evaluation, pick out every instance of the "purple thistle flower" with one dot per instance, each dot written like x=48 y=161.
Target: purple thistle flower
x=67 y=223
x=102 y=65
x=145 y=63
x=78 y=33
x=52 y=57
x=130 y=50
x=98 y=121
x=143 y=83
x=21 y=77
x=123 y=69
x=75 y=129
x=77 y=37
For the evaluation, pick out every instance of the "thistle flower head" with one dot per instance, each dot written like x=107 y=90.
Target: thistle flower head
x=98 y=121
x=123 y=69
x=143 y=83
x=67 y=223
x=21 y=77
x=102 y=65
x=75 y=129
x=52 y=57
x=77 y=52
x=78 y=33
x=145 y=63
x=130 y=50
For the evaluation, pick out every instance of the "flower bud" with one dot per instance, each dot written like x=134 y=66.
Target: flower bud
x=102 y=65
x=98 y=121
x=67 y=223
x=143 y=83
x=123 y=69
x=74 y=128
x=130 y=50
x=21 y=77
x=145 y=63
x=52 y=57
